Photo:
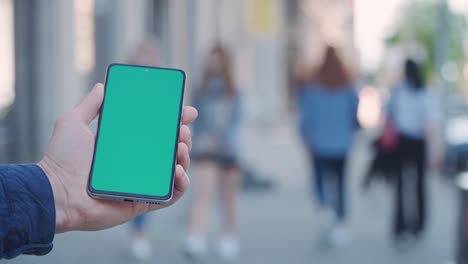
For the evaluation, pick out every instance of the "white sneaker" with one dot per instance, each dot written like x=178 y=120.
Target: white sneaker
x=326 y=219
x=405 y=242
x=228 y=248
x=195 y=247
x=340 y=236
x=141 y=248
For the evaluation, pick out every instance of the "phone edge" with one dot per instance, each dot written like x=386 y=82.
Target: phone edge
x=93 y=193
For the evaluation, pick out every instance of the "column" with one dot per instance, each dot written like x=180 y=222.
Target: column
x=129 y=26
x=58 y=87
x=21 y=120
x=265 y=25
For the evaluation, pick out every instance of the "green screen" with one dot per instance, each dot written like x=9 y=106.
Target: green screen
x=138 y=129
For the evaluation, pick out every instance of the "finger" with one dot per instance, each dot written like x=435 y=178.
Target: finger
x=185 y=137
x=117 y=213
x=189 y=115
x=89 y=107
x=181 y=185
x=182 y=181
x=183 y=157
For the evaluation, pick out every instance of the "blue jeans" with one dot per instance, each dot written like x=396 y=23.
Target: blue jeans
x=330 y=184
x=139 y=223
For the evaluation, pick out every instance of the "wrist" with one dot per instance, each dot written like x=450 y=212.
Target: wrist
x=62 y=219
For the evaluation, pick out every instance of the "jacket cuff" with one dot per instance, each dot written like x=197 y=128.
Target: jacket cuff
x=30 y=219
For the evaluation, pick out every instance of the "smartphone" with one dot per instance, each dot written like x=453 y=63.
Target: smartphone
x=137 y=136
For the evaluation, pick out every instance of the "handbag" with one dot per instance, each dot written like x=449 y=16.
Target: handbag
x=389 y=140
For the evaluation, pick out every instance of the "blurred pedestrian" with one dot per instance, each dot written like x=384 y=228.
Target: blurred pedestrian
x=411 y=110
x=215 y=152
x=327 y=106
x=146 y=53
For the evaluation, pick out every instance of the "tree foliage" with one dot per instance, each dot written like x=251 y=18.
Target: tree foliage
x=422 y=19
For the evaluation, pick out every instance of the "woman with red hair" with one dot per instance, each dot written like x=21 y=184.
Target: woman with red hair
x=327 y=107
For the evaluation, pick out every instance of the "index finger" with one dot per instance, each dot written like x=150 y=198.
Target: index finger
x=89 y=107
x=189 y=115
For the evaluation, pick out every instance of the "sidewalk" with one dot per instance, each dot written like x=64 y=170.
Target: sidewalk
x=279 y=226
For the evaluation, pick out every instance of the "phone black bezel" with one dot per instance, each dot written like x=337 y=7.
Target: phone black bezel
x=131 y=196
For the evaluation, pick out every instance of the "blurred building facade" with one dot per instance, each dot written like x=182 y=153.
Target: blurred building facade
x=325 y=23
x=62 y=47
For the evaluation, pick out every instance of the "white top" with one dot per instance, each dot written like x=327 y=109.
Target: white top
x=412 y=110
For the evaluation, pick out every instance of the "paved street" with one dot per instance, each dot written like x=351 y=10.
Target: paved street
x=279 y=226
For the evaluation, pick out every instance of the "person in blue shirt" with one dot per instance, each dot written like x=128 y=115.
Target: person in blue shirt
x=327 y=107
x=39 y=200
x=413 y=112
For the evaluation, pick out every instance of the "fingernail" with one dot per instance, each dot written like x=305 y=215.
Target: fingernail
x=187 y=180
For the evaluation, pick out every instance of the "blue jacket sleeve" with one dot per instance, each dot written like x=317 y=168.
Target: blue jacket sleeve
x=27 y=211
x=301 y=106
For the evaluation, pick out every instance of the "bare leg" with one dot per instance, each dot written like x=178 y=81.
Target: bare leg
x=229 y=187
x=206 y=172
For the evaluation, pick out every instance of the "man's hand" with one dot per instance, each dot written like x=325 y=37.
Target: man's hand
x=67 y=164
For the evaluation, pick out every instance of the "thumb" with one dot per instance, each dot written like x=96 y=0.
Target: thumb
x=89 y=107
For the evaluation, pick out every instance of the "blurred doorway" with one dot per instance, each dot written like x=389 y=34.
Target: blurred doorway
x=21 y=118
x=7 y=60
x=159 y=26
